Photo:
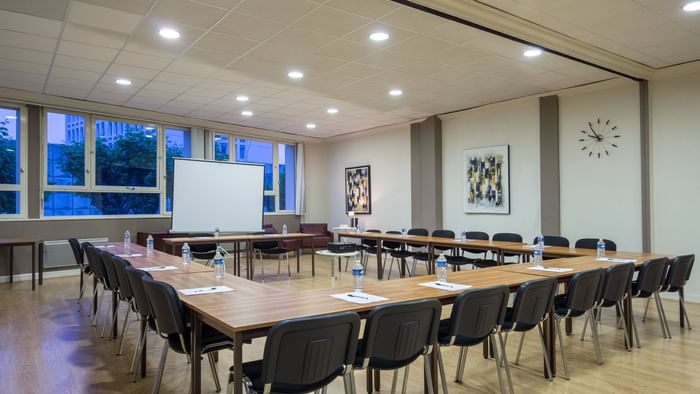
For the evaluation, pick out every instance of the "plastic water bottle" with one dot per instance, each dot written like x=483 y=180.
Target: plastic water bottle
x=284 y=229
x=217 y=232
x=537 y=255
x=441 y=268
x=463 y=236
x=149 y=244
x=358 y=274
x=600 y=249
x=403 y=232
x=219 y=267
x=127 y=239
x=186 y=255
x=540 y=241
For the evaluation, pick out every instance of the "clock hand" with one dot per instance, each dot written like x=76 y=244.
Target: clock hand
x=591 y=127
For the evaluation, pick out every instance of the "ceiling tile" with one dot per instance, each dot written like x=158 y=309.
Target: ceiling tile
x=459 y=55
x=285 y=11
x=66 y=91
x=280 y=54
x=421 y=46
x=35 y=68
x=139 y=7
x=412 y=19
x=92 y=52
x=177 y=78
x=146 y=39
x=385 y=59
x=357 y=70
x=225 y=4
x=75 y=73
x=247 y=26
x=142 y=60
x=348 y=50
x=166 y=87
x=131 y=72
x=367 y=8
x=225 y=43
x=191 y=67
x=208 y=58
x=70 y=82
x=25 y=55
x=54 y=9
x=102 y=17
x=211 y=93
x=331 y=22
x=300 y=40
x=93 y=36
x=453 y=32
x=30 y=24
x=29 y=41
x=186 y=12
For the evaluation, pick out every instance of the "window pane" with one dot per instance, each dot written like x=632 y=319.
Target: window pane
x=178 y=143
x=9 y=146
x=65 y=149
x=221 y=143
x=80 y=204
x=125 y=154
x=268 y=203
x=287 y=156
x=248 y=151
x=9 y=203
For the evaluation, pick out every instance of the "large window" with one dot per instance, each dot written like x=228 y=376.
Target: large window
x=279 y=161
x=11 y=172
x=178 y=143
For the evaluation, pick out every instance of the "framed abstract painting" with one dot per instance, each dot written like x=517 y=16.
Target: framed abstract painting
x=358 y=196
x=487 y=180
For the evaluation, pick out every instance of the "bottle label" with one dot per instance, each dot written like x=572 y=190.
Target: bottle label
x=357 y=271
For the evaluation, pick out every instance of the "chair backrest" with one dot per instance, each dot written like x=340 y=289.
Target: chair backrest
x=111 y=280
x=202 y=248
x=400 y=332
x=138 y=290
x=77 y=251
x=443 y=234
x=393 y=245
x=310 y=351
x=120 y=265
x=651 y=276
x=584 y=290
x=533 y=301
x=679 y=272
x=477 y=313
x=507 y=237
x=94 y=261
x=616 y=282
x=479 y=235
x=554 y=240
x=314 y=228
x=417 y=231
x=166 y=308
x=370 y=242
x=262 y=245
x=592 y=243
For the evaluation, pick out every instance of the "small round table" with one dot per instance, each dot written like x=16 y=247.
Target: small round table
x=332 y=255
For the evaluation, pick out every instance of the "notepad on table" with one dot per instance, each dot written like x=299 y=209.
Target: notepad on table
x=551 y=269
x=161 y=268
x=445 y=286
x=359 y=297
x=616 y=260
x=206 y=290
x=130 y=255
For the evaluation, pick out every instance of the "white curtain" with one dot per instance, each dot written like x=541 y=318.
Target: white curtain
x=300 y=202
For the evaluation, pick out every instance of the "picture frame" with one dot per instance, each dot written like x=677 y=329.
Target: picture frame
x=487 y=180
x=358 y=191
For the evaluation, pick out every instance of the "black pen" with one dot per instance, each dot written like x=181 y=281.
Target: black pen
x=442 y=284
x=357 y=296
x=202 y=290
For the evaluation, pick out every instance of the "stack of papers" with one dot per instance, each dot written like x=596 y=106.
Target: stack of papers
x=130 y=255
x=358 y=297
x=551 y=269
x=614 y=260
x=161 y=268
x=206 y=290
x=445 y=286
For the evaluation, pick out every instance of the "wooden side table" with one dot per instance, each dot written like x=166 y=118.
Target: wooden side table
x=12 y=243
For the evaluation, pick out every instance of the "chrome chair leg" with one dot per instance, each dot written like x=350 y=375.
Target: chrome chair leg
x=136 y=352
x=324 y=390
x=583 y=331
x=98 y=298
x=161 y=367
x=405 y=379
x=104 y=325
x=685 y=312
x=628 y=342
x=661 y=317
x=561 y=348
x=646 y=310
x=428 y=374
x=125 y=326
x=394 y=379
x=497 y=359
x=461 y=360
x=441 y=368
x=596 y=340
x=545 y=352
x=391 y=267
x=214 y=372
x=504 y=362
x=520 y=348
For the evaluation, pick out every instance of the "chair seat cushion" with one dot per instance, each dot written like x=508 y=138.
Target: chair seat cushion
x=401 y=254
x=459 y=260
x=274 y=250
x=423 y=256
x=380 y=363
x=508 y=323
x=212 y=340
x=253 y=371
x=561 y=309
x=444 y=338
x=639 y=293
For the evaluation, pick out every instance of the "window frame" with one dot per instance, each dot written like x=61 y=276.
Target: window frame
x=21 y=187
x=275 y=165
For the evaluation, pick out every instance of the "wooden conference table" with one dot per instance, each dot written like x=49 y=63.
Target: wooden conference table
x=12 y=243
x=174 y=246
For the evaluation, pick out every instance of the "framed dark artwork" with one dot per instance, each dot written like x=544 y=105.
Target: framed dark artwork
x=358 y=196
x=487 y=180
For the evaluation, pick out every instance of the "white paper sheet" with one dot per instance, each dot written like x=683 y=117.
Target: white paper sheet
x=445 y=286
x=358 y=297
x=130 y=255
x=104 y=246
x=161 y=268
x=534 y=246
x=615 y=260
x=206 y=290
x=550 y=269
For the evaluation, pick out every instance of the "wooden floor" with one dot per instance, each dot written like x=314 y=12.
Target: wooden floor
x=47 y=346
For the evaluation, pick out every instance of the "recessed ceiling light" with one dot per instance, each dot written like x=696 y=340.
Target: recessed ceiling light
x=295 y=74
x=247 y=113
x=379 y=36
x=310 y=126
x=692 y=6
x=122 y=82
x=532 y=52
x=10 y=117
x=241 y=98
x=169 y=33
x=332 y=110
x=395 y=92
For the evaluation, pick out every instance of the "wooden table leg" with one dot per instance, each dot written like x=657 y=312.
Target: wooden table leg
x=249 y=259
x=12 y=263
x=115 y=309
x=33 y=266
x=196 y=359
x=568 y=321
x=380 y=271
x=550 y=342
x=313 y=257
x=144 y=353
x=681 y=310
x=41 y=263
x=298 y=258
x=238 y=363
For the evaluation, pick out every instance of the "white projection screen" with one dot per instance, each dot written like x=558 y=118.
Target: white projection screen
x=211 y=194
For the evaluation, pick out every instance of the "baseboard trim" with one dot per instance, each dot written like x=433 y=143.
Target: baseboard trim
x=47 y=275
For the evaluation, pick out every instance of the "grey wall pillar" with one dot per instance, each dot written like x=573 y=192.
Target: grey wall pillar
x=550 y=203
x=33 y=162
x=646 y=164
x=426 y=174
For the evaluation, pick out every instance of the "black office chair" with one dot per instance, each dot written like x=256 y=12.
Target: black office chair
x=502 y=237
x=458 y=260
x=648 y=284
x=143 y=308
x=203 y=251
x=552 y=240
x=477 y=235
x=477 y=314
x=678 y=275
x=126 y=293
x=581 y=297
x=97 y=267
x=79 y=256
x=592 y=243
x=369 y=247
x=171 y=324
x=304 y=355
x=397 y=251
x=530 y=309
x=615 y=288
x=271 y=248
x=418 y=249
x=112 y=284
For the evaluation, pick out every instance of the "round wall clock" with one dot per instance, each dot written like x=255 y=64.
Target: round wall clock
x=599 y=139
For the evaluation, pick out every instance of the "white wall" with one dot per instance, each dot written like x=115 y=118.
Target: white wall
x=601 y=197
x=388 y=152
x=676 y=168
x=316 y=182
x=515 y=123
